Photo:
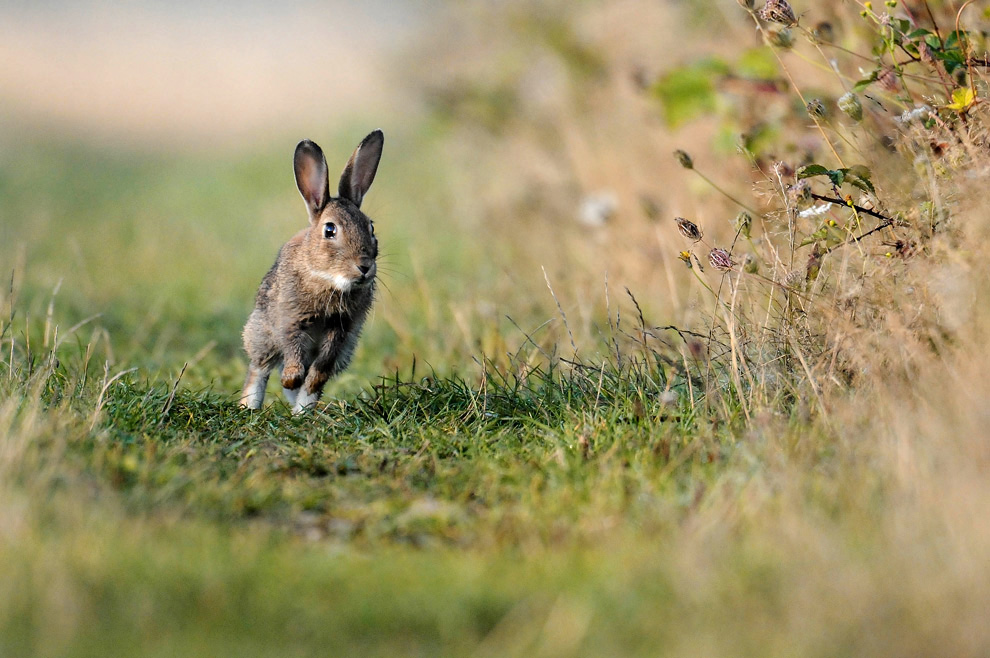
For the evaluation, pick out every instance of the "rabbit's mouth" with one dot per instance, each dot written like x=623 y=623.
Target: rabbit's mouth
x=364 y=280
x=367 y=277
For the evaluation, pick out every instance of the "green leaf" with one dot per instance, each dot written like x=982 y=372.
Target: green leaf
x=859 y=176
x=866 y=82
x=954 y=39
x=689 y=92
x=951 y=59
x=811 y=170
x=817 y=236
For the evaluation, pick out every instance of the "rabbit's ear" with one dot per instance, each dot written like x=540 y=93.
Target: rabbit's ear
x=311 y=176
x=361 y=168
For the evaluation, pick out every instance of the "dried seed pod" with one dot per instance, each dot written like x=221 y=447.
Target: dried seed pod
x=814 y=265
x=720 y=259
x=688 y=229
x=850 y=105
x=778 y=11
x=816 y=108
x=888 y=81
x=684 y=159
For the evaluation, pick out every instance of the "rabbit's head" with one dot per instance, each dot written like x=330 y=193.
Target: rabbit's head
x=340 y=246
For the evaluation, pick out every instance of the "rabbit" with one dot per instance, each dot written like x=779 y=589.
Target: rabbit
x=311 y=305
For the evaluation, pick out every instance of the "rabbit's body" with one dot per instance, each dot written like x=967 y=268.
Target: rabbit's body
x=311 y=305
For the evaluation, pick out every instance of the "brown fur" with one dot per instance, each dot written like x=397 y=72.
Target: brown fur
x=311 y=305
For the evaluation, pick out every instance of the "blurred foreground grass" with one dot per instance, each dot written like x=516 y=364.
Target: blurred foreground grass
x=553 y=514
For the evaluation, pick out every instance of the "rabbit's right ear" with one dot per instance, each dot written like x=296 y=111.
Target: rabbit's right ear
x=311 y=176
x=360 y=171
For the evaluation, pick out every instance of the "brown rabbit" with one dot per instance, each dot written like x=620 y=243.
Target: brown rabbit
x=312 y=303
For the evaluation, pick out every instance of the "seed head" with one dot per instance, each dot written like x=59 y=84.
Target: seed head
x=684 y=159
x=744 y=224
x=799 y=194
x=750 y=264
x=816 y=108
x=794 y=278
x=688 y=229
x=778 y=11
x=888 y=81
x=782 y=169
x=720 y=259
x=823 y=33
x=782 y=38
x=849 y=103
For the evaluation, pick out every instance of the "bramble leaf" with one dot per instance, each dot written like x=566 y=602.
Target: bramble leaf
x=866 y=82
x=859 y=176
x=808 y=171
x=962 y=99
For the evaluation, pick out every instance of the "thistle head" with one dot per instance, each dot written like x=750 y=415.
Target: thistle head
x=720 y=259
x=688 y=229
x=778 y=11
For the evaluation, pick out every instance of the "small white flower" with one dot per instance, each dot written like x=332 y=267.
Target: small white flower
x=596 y=209
x=816 y=211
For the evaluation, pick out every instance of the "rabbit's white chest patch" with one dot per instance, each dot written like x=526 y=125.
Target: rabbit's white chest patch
x=336 y=281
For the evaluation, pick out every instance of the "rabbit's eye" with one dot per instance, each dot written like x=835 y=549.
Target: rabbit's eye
x=330 y=230
x=372 y=224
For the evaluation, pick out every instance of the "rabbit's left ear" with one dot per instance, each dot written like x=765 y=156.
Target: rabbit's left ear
x=311 y=176
x=360 y=171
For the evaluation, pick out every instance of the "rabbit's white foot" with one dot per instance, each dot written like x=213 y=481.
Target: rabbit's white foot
x=305 y=401
x=291 y=395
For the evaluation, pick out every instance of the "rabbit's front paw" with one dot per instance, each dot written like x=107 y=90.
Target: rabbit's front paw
x=292 y=376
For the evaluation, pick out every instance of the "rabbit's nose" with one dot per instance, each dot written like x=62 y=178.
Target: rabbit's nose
x=365 y=268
